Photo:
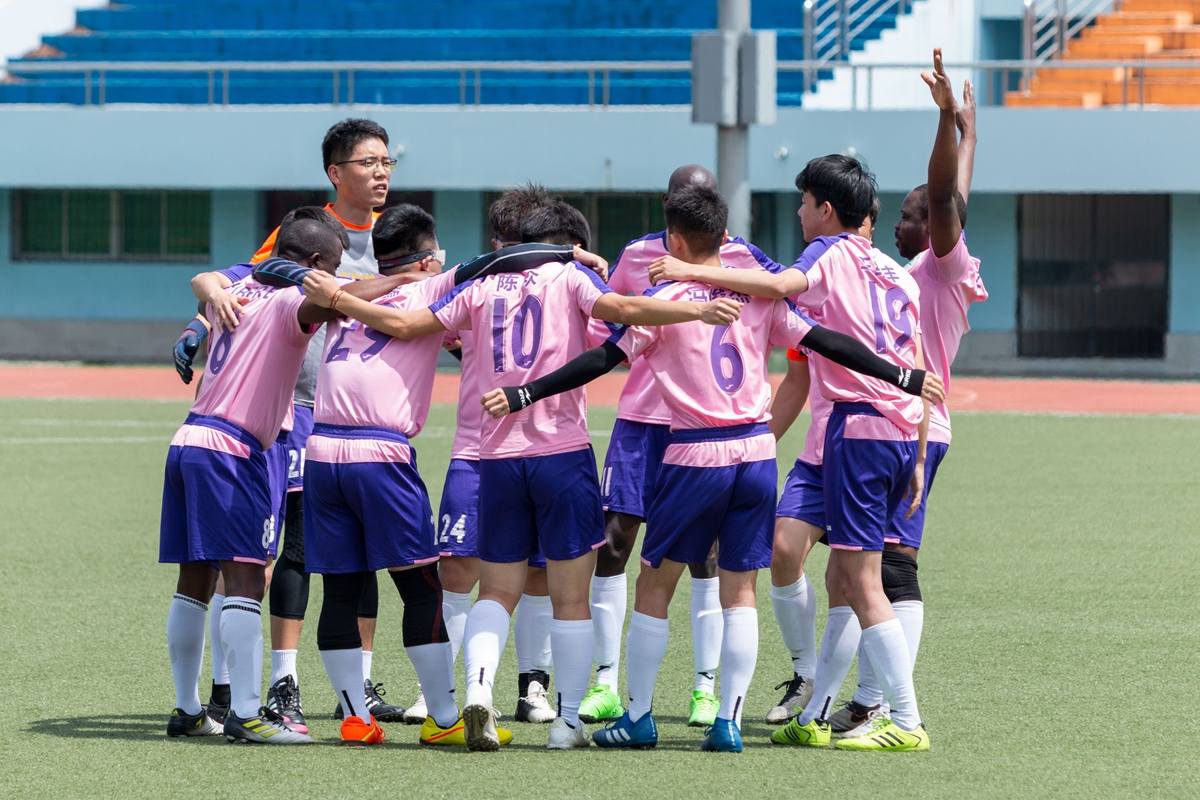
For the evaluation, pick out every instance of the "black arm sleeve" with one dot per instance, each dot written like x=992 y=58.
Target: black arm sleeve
x=853 y=354
x=575 y=373
x=457 y=353
x=515 y=258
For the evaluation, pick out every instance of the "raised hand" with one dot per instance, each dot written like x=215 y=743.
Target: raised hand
x=939 y=83
x=964 y=118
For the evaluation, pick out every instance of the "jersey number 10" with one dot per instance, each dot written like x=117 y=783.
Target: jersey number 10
x=529 y=314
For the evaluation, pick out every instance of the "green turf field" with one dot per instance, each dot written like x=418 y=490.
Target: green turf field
x=1059 y=655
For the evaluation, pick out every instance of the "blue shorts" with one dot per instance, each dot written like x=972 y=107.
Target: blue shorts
x=908 y=532
x=865 y=480
x=803 y=495
x=216 y=506
x=458 y=514
x=366 y=516
x=297 y=438
x=277 y=460
x=695 y=506
x=551 y=503
x=635 y=453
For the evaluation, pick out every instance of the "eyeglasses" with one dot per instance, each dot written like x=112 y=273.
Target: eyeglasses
x=371 y=162
x=391 y=263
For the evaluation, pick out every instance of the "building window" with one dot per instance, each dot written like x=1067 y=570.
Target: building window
x=104 y=225
x=1093 y=275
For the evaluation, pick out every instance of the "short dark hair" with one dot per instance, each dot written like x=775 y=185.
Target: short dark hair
x=342 y=138
x=960 y=203
x=844 y=183
x=508 y=213
x=307 y=236
x=876 y=210
x=322 y=216
x=403 y=230
x=560 y=223
x=699 y=214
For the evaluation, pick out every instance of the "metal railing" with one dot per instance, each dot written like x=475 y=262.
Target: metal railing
x=831 y=26
x=1051 y=24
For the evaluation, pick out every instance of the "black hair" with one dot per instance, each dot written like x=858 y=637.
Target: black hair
x=304 y=237
x=403 y=230
x=844 y=183
x=342 y=138
x=699 y=214
x=923 y=204
x=508 y=213
x=320 y=215
x=560 y=223
x=876 y=210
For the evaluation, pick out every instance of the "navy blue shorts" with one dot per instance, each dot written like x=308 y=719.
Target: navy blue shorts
x=695 y=506
x=297 y=438
x=458 y=514
x=635 y=452
x=216 y=506
x=551 y=503
x=865 y=480
x=277 y=460
x=366 y=516
x=803 y=495
x=908 y=532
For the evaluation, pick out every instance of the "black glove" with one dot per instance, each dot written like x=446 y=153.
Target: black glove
x=187 y=346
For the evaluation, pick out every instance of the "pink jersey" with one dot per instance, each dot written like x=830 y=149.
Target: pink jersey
x=535 y=322
x=862 y=293
x=252 y=370
x=716 y=376
x=369 y=379
x=641 y=400
x=948 y=287
x=470 y=411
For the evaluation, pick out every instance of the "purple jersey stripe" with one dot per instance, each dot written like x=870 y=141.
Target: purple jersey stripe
x=816 y=248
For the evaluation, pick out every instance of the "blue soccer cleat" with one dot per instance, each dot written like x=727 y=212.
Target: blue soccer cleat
x=634 y=735
x=723 y=737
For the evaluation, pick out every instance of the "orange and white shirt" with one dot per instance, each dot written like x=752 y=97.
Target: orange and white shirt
x=358 y=260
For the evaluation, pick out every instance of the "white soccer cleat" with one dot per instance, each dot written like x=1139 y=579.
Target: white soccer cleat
x=534 y=707
x=416 y=713
x=867 y=725
x=480 y=726
x=797 y=693
x=564 y=737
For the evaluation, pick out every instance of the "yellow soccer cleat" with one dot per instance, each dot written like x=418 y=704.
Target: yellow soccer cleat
x=814 y=734
x=887 y=736
x=455 y=735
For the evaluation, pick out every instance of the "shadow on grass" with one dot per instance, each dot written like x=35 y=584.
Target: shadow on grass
x=135 y=727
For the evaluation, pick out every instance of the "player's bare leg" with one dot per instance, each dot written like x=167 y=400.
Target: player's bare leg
x=795 y=606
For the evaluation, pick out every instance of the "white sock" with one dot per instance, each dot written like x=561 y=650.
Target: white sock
x=888 y=650
x=455 y=606
x=435 y=672
x=483 y=643
x=911 y=614
x=645 y=648
x=739 y=655
x=185 y=644
x=796 y=612
x=609 y=598
x=868 y=692
x=531 y=633
x=367 y=659
x=344 y=668
x=220 y=670
x=838 y=646
x=241 y=633
x=707 y=625
x=283 y=662
x=574 y=642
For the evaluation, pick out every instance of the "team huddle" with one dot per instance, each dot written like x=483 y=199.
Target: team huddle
x=297 y=458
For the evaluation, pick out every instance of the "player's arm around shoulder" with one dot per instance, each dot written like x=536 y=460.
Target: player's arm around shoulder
x=754 y=282
x=645 y=311
x=322 y=290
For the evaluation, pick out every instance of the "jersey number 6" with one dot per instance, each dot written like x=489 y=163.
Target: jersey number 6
x=722 y=353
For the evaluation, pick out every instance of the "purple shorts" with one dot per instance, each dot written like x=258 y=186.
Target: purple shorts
x=277 y=465
x=865 y=480
x=547 y=503
x=366 y=516
x=635 y=453
x=803 y=495
x=297 y=438
x=216 y=506
x=695 y=506
x=908 y=532
x=458 y=531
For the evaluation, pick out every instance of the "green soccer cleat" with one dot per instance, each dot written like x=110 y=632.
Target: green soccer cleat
x=704 y=708
x=887 y=736
x=600 y=705
x=814 y=734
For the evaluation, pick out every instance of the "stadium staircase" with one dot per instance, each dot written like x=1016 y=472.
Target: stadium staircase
x=213 y=31
x=1150 y=30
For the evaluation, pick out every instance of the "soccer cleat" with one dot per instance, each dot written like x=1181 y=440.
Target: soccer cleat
x=723 y=737
x=601 y=704
x=356 y=733
x=480 y=727
x=376 y=707
x=181 y=723
x=887 y=736
x=417 y=712
x=532 y=705
x=704 y=708
x=797 y=693
x=564 y=737
x=266 y=728
x=867 y=726
x=850 y=715
x=814 y=734
x=626 y=733
x=455 y=735
x=284 y=699
x=218 y=703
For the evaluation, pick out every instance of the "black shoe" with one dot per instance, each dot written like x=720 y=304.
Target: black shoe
x=383 y=712
x=182 y=724
x=218 y=703
x=284 y=699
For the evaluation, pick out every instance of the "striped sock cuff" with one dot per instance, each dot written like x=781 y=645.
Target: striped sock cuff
x=242 y=604
x=191 y=601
